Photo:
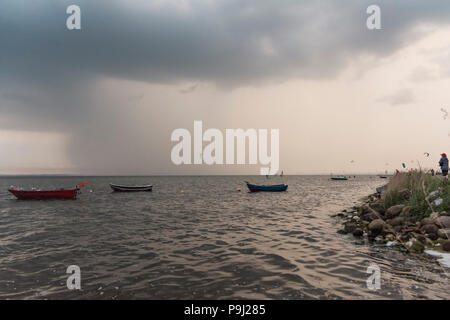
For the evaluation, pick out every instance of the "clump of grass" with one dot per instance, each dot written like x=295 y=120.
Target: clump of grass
x=420 y=209
x=412 y=189
x=392 y=198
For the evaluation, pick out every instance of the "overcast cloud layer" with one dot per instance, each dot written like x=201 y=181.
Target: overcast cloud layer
x=52 y=79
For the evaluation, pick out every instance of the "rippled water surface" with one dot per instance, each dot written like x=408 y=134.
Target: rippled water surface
x=210 y=242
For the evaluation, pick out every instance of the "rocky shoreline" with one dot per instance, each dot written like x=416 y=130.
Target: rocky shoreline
x=394 y=226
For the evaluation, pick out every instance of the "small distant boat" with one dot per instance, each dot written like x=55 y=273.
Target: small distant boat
x=270 y=188
x=383 y=177
x=122 y=188
x=339 y=178
x=47 y=194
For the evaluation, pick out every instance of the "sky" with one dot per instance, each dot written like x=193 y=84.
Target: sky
x=104 y=100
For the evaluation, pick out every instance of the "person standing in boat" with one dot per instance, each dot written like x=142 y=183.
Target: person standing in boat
x=443 y=163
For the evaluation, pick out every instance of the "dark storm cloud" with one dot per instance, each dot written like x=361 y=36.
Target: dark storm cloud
x=230 y=42
x=48 y=74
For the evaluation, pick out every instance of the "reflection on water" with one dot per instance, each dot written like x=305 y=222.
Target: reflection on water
x=212 y=242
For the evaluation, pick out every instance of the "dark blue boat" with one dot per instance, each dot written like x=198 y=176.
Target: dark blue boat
x=271 y=188
x=117 y=187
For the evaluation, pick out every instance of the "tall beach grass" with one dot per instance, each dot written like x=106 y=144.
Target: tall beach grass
x=413 y=189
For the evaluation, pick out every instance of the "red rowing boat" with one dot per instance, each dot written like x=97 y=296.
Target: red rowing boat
x=41 y=195
x=47 y=194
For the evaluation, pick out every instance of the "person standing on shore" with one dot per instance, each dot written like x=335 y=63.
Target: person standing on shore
x=443 y=163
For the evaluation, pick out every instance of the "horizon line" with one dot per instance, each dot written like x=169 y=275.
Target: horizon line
x=179 y=175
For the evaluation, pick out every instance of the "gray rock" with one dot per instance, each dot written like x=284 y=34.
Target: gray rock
x=443 y=222
x=422 y=239
x=396 y=221
x=444 y=233
x=358 y=232
x=369 y=216
x=350 y=227
x=426 y=221
x=438 y=202
x=365 y=209
x=446 y=246
x=429 y=229
x=433 y=194
x=364 y=223
x=391 y=243
x=378 y=207
x=376 y=227
x=405 y=211
x=433 y=236
x=394 y=211
x=429 y=242
x=387 y=229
